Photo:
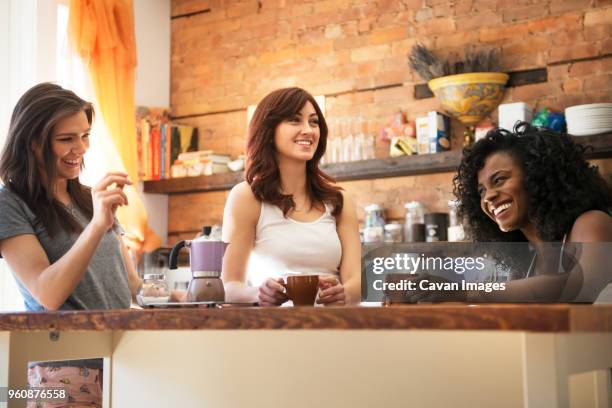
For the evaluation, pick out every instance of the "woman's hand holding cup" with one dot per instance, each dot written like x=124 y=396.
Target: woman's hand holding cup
x=272 y=292
x=331 y=291
x=106 y=200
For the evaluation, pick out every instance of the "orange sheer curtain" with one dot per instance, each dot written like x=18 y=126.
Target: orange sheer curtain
x=102 y=33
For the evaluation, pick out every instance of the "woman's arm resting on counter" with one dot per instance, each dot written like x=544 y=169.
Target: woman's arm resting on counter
x=50 y=284
x=590 y=245
x=239 y=222
x=588 y=252
x=350 y=265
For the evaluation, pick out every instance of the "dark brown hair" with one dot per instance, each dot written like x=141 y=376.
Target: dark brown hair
x=262 y=172
x=29 y=138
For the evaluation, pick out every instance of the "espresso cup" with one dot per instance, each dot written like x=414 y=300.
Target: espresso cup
x=302 y=289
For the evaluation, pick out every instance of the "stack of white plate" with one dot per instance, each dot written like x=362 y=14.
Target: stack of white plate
x=583 y=120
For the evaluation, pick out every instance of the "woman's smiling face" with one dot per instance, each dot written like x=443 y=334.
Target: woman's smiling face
x=69 y=142
x=297 y=137
x=503 y=197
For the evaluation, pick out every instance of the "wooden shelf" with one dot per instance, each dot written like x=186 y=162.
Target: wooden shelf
x=361 y=170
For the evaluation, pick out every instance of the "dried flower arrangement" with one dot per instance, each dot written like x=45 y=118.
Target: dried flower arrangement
x=429 y=66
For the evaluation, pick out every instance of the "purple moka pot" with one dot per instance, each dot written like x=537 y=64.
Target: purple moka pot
x=206 y=261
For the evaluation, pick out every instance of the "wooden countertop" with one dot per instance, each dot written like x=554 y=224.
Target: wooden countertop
x=523 y=317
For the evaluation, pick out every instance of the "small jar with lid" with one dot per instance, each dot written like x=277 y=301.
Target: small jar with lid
x=393 y=233
x=436 y=226
x=373 y=231
x=455 y=227
x=452 y=213
x=414 y=226
x=154 y=289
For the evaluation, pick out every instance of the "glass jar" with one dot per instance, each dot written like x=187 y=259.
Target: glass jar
x=369 y=141
x=452 y=213
x=414 y=226
x=373 y=231
x=455 y=227
x=154 y=289
x=393 y=233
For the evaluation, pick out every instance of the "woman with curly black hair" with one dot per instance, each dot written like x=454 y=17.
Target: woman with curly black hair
x=535 y=185
x=532 y=185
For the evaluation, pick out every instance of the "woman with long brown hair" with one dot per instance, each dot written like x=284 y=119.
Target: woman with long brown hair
x=289 y=217
x=59 y=237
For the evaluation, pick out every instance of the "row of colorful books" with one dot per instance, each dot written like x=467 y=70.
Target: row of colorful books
x=159 y=142
x=167 y=150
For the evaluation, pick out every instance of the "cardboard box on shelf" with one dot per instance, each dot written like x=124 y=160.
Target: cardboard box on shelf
x=433 y=133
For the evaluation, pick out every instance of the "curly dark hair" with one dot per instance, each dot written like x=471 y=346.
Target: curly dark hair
x=560 y=183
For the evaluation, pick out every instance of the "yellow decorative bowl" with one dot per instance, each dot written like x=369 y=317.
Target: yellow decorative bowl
x=470 y=97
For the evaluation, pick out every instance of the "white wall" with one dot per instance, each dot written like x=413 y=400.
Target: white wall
x=153 y=43
x=46 y=40
x=18 y=56
x=4 y=117
x=152 y=19
x=4 y=69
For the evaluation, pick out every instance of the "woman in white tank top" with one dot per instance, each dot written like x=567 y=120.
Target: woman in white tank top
x=289 y=217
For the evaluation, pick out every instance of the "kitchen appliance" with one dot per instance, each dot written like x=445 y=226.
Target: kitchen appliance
x=206 y=261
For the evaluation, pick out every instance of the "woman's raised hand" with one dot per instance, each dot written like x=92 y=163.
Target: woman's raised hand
x=106 y=198
x=331 y=291
x=272 y=293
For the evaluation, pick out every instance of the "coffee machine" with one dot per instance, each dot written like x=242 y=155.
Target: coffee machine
x=206 y=261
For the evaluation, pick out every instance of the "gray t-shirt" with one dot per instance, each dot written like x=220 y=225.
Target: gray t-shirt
x=104 y=284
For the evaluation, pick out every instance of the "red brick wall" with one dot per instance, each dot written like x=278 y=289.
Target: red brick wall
x=230 y=57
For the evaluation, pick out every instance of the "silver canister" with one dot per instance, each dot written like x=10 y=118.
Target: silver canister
x=436 y=225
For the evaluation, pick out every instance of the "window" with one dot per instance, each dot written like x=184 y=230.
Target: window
x=72 y=74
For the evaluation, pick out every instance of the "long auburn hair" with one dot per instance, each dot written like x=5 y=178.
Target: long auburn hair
x=262 y=171
x=28 y=141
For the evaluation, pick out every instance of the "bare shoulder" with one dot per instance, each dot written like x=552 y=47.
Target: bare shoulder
x=242 y=191
x=349 y=201
x=348 y=208
x=241 y=201
x=592 y=226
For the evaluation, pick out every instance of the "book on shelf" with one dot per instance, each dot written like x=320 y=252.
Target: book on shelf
x=183 y=139
x=162 y=148
x=205 y=154
x=197 y=167
x=155 y=153
x=168 y=143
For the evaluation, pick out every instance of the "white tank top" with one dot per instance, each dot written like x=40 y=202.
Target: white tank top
x=284 y=246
